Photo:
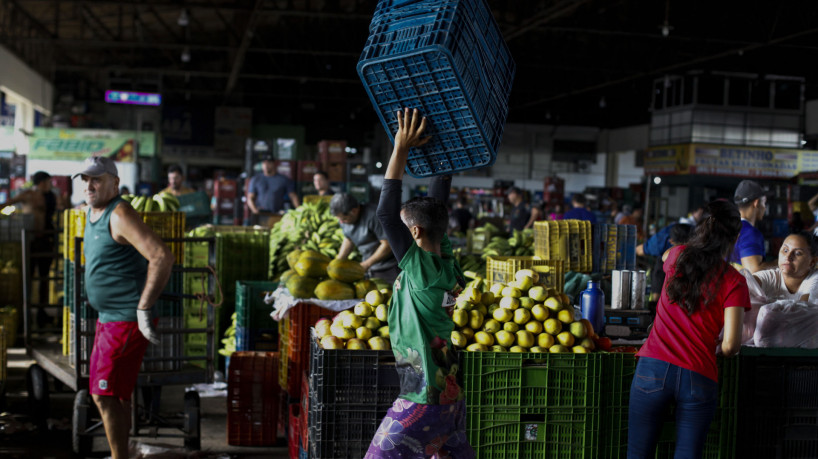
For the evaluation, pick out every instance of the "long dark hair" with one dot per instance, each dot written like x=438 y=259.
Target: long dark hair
x=703 y=260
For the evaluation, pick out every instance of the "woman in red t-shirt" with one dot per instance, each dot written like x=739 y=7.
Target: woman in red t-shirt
x=701 y=296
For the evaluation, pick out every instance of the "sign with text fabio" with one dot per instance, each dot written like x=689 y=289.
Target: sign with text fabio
x=78 y=144
x=729 y=161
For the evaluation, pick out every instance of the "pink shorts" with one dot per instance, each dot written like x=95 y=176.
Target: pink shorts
x=116 y=359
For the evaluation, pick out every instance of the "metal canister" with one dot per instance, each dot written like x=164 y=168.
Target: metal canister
x=620 y=289
x=638 y=290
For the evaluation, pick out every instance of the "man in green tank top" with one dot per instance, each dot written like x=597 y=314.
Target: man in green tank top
x=126 y=268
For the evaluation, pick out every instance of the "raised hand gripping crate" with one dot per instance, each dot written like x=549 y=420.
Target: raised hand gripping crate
x=448 y=60
x=252 y=399
x=778 y=403
x=350 y=393
x=618 y=372
x=502 y=269
x=533 y=405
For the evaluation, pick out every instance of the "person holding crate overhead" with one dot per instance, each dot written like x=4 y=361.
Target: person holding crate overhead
x=126 y=268
x=429 y=417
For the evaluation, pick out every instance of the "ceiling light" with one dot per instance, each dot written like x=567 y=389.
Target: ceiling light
x=602 y=103
x=183 y=20
x=185 y=55
x=657 y=180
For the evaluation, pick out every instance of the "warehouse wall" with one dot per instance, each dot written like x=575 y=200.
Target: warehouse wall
x=19 y=79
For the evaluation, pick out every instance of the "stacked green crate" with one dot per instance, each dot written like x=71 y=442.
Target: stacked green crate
x=241 y=253
x=255 y=328
x=533 y=405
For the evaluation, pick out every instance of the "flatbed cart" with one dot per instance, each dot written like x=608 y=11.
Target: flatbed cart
x=169 y=367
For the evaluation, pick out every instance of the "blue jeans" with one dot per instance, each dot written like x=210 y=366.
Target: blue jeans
x=655 y=386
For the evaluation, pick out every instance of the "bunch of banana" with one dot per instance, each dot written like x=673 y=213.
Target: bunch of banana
x=229 y=340
x=521 y=243
x=473 y=263
x=308 y=227
x=160 y=202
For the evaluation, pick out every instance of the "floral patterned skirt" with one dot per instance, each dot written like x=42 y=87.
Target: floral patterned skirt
x=410 y=430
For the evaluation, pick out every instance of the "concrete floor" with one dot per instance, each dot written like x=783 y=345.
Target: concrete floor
x=21 y=438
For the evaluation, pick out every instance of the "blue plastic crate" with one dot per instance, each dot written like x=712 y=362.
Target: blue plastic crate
x=451 y=63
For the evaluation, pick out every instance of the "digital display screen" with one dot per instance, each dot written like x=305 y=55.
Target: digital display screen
x=133 y=98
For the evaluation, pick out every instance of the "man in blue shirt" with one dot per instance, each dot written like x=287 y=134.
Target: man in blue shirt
x=751 y=200
x=269 y=189
x=579 y=212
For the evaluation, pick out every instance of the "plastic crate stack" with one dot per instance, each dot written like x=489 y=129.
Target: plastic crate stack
x=297 y=323
x=502 y=269
x=533 y=405
x=168 y=311
x=252 y=399
x=614 y=247
x=255 y=329
x=350 y=393
x=241 y=254
x=618 y=371
x=566 y=240
x=778 y=403
x=447 y=59
x=11 y=258
x=196 y=207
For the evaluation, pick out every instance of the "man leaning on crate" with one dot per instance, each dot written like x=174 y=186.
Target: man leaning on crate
x=126 y=268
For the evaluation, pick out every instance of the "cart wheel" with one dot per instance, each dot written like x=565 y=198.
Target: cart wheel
x=192 y=422
x=38 y=398
x=81 y=442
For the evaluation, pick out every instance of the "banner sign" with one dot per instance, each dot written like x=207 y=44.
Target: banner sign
x=133 y=98
x=729 y=161
x=78 y=144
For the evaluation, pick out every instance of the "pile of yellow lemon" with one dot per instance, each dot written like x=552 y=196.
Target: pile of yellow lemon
x=520 y=316
x=362 y=327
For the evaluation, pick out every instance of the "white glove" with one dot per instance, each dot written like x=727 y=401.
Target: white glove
x=143 y=317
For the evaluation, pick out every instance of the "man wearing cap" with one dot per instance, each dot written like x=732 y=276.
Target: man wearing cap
x=126 y=268
x=751 y=200
x=362 y=229
x=268 y=190
x=522 y=216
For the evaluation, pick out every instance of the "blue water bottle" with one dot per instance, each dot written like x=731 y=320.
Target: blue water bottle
x=592 y=304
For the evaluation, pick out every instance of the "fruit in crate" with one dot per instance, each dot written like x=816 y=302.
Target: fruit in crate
x=301 y=286
x=160 y=202
x=345 y=270
x=519 y=316
x=359 y=327
x=331 y=289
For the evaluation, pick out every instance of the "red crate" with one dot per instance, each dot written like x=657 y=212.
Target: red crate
x=301 y=318
x=294 y=434
x=337 y=172
x=306 y=170
x=332 y=151
x=224 y=189
x=286 y=168
x=305 y=411
x=283 y=405
x=252 y=399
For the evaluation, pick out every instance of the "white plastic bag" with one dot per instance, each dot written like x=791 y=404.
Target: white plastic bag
x=757 y=300
x=787 y=323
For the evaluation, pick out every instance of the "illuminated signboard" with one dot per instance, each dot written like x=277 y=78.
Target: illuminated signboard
x=133 y=98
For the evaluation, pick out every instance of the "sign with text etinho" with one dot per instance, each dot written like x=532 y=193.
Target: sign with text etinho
x=729 y=161
x=78 y=144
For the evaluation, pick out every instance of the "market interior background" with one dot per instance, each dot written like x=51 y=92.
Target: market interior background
x=599 y=85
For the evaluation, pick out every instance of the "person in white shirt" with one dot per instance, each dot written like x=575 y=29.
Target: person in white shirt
x=796 y=275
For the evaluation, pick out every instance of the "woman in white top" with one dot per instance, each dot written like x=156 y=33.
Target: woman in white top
x=796 y=275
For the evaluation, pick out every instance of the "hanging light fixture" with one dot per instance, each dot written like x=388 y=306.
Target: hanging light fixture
x=183 y=20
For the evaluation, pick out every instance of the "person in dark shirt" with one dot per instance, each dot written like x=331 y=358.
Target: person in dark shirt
x=522 y=216
x=363 y=230
x=269 y=190
x=579 y=212
x=462 y=215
